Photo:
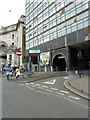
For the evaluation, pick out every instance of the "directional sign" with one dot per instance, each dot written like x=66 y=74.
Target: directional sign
x=18 y=52
x=50 y=82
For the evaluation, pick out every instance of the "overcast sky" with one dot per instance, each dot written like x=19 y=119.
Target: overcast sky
x=10 y=11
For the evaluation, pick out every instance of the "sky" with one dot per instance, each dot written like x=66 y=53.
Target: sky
x=10 y=11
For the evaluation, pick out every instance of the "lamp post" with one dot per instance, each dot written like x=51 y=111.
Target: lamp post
x=79 y=56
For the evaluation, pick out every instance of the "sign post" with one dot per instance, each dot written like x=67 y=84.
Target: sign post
x=19 y=53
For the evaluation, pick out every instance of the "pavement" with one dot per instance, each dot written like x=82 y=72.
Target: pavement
x=74 y=85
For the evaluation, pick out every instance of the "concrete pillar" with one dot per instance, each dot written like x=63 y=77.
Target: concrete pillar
x=13 y=58
x=8 y=58
x=51 y=68
x=68 y=58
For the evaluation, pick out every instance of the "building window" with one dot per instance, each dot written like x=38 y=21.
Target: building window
x=80 y=24
x=58 y=20
x=59 y=33
x=63 y=32
x=62 y=18
x=72 y=12
x=68 y=29
x=73 y=27
x=86 y=22
x=85 y=6
x=79 y=8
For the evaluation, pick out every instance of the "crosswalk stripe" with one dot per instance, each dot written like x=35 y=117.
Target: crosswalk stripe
x=64 y=91
x=53 y=88
x=59 y=93
x=74 y=97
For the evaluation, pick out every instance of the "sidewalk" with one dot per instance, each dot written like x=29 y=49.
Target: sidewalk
x=75 y=86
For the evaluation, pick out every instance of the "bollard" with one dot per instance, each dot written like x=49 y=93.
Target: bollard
x=81 y=83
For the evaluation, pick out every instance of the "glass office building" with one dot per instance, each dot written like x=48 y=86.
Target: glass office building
x=60 y=31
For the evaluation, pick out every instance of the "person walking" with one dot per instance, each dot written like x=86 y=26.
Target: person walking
x=11 y=74
x=17 y=73
x=8 y=71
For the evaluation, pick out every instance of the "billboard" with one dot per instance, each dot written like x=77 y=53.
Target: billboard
x=44 y=58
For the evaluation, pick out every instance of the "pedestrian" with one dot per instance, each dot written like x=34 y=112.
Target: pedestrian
x=17 y=73
x=11 y=74
x=8 y=72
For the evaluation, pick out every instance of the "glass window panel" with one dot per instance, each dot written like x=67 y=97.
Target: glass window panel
x=66 y=2
x=72 y=12
x=50 y=24
x=68 y=14
x=58 y=20
x=47 y=26
x=62 y=4
x=59 y=33
x=54 y=35
x=79 y=8
x=58 y=7
x=63 y=31
x=54 y=22
x=62 y=18
x=51 y=36
x=68 y=29
x=86 y=23
x=85 y=6
x=80 y=25
x=73 y=27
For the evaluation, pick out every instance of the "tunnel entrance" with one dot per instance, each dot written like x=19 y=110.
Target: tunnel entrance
x=59 y=63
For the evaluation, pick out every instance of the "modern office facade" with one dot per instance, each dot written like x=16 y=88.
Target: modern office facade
x=61 y=29
x=12 y=38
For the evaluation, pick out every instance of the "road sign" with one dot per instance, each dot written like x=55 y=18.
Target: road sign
x=18 y=52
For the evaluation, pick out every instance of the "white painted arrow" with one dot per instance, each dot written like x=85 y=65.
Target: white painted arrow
x=50 y=82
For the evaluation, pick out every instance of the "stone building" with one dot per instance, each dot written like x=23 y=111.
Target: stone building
x=12 y=38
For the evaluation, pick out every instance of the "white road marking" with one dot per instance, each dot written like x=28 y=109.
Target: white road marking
x=50 y=82
x=76 y=102
x=65 y=77
x=27 y=83
x=74 y=97
x=38 y=91
x=53 y=88
x=49 y=90
x=64 y=91
x=42 y=92
x=29 y=87
x=38 y=84
x=45 y=86
x=59 y=93
x=40 y=87
x=31 y=83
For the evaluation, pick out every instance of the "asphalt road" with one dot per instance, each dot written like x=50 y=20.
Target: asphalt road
x=47 y=98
